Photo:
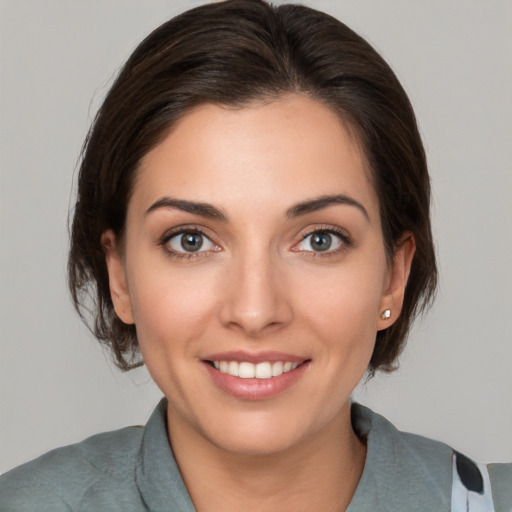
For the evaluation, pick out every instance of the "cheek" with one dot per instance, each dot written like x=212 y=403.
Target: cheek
x=170 y=307
x=343 y=307
x=345 y=294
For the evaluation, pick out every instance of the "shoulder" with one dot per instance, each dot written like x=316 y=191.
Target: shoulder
x=395 y=444
x=478 y=481
x=402 y=470
x=62 y=477
x=501 y=481
x=429 y=470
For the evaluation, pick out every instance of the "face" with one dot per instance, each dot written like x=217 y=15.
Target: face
x=254 y=269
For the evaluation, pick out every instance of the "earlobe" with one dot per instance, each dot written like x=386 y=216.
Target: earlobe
x=393 y=297
x=117 y=277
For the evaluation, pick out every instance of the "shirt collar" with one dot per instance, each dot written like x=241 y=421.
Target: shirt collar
x=398 y=474
x=157 y=474
x=401 y=471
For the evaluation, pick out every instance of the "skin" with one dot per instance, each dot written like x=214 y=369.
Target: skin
x=258 y=284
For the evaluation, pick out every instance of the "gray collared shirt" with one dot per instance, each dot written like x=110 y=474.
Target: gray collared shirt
x=134 y=470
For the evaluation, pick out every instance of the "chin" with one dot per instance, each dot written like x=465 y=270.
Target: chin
x=260 y=434
x=258 y=444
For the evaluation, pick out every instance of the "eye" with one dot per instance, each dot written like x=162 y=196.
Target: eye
x=322 y=241
x=189 y=242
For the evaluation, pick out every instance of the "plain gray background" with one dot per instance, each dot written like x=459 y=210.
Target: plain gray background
x=454 y=58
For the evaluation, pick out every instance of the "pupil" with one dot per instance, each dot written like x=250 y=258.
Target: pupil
x=191 y=242
x=321 y=241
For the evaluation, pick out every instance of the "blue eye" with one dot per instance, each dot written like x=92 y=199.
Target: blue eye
x=321 y=241
x=190 y=241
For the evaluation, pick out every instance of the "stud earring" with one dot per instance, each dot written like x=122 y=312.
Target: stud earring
x=386 y=314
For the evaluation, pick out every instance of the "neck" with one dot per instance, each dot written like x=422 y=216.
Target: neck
x=319 y=473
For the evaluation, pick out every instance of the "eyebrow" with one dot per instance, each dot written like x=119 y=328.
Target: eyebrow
x=319 y=203
x=209 y=211
x=202 y=209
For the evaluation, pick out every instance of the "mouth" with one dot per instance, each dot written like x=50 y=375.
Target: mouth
x=255 y=377
x=248 y=370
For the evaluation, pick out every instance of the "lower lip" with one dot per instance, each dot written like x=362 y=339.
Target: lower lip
x=255 y=389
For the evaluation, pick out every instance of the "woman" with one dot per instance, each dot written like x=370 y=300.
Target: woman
x=253 y=218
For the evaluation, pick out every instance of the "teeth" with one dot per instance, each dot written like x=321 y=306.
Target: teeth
x=233 y=368
x=277 y=369
x=246 y=370
x=263 y=371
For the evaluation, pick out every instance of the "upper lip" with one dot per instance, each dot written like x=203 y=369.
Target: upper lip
x=254 y=357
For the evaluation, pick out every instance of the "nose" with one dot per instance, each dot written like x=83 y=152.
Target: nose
x=256 y=301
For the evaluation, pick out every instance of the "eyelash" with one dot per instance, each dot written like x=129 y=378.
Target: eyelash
x=345 y=241
x=164 y=243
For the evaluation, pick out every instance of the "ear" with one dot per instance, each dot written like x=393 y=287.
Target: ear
x=393 y=296
x=117 y=277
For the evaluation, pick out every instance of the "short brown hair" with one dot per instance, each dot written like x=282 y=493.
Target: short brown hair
x=233 y=53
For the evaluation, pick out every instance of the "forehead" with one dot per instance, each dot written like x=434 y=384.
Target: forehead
x=281 y=151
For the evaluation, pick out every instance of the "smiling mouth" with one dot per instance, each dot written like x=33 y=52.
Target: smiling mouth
x=247 y=370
